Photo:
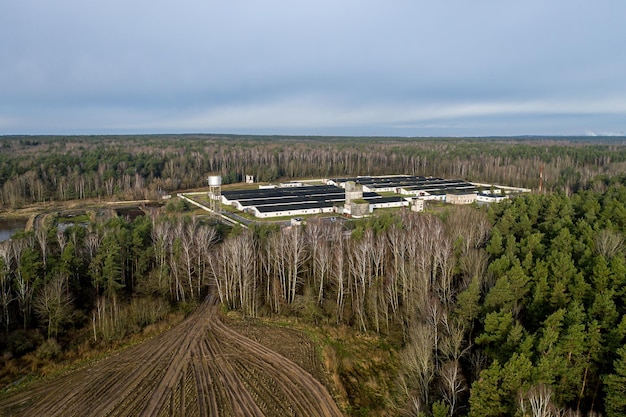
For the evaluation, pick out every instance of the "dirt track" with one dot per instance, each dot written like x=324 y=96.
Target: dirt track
x=199 y=368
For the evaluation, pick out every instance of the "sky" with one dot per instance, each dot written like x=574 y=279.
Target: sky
x=291 y=67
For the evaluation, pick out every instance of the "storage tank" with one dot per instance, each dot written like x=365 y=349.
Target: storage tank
x=215 y=181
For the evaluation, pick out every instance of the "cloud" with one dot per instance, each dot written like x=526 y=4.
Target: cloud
x=286 y=65
x=321 y=113
x=316 y=112
x=590 y=132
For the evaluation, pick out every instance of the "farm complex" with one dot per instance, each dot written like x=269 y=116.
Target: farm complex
x=355 y=196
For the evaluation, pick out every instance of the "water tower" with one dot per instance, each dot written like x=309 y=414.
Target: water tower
x=215 y=192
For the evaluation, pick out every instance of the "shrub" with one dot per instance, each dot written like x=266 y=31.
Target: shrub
x=48 y=350
x=23 y=341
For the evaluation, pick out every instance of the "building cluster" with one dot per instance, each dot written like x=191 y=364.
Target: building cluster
x=290 y=200
x=355 y=197
x=426 y=188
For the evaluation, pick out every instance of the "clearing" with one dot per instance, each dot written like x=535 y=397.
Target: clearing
x=200 y=367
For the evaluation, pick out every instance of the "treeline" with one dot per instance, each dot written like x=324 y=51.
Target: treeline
x=35 y=169
x=113 y=276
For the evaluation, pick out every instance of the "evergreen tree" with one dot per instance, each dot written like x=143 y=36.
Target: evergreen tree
x=615 y=386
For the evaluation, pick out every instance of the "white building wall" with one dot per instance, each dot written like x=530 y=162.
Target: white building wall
x=417 y=193
x=417 y=205
x=286 y=213
x=460 y=198
x=389 y=205
x=432 y=197
x=491 y=198
x=383 y=189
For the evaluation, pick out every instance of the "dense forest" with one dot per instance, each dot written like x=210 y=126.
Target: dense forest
x=513 y=309
x=35 y=169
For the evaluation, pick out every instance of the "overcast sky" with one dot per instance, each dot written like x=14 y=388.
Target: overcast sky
x=340 y=67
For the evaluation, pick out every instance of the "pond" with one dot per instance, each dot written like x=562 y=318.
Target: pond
x=131 y=213
x=9 y=226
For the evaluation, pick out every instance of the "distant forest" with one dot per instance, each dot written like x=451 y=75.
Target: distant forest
x=515 y=309
x=35 y=169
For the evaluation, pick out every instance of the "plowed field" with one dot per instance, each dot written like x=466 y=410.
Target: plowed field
x=199 y=368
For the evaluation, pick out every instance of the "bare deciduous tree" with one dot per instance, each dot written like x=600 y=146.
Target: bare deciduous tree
x=205 y=238
x=269 y=275
x=608 y=243
x=472 y=264
x=41 y=234
x=61 y=239
x=23 y=284
x=452 y=384
x=233 y=268
x=468 y=226
x=295 y=256
x=394 y=274
x=92 y=243
x=340 y=271
x=360 y=265
x=162 y=242
x=53 y=305
x=418 y=363
x=322 y=260
x=244 y=257
x=187 y=240
x=452 y=345
x=6 y=295
x=539 y=399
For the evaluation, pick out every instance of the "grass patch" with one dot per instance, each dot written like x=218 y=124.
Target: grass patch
x=362 y=367
x=79 y=218
x=359 y=201
x=366 y=368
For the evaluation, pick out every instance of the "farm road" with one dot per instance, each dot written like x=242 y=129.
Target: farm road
x=201 y=367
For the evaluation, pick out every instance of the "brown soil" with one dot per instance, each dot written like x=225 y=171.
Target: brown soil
x=290 y=343
x=202 y=367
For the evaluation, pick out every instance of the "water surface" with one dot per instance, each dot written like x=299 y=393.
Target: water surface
x=9 y=226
